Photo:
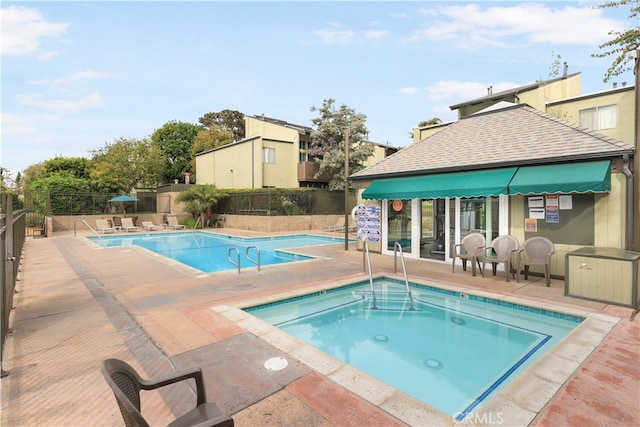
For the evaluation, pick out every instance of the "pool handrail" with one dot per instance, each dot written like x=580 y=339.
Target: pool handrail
x=366 y=263
x=397 y=246
x=238 y=257
x=246 y=253
x=87 y=224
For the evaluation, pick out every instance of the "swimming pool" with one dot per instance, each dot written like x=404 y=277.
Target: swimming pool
x=451 y=350
x=208 y=252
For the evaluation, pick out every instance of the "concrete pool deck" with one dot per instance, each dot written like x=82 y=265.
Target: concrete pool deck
x=77 y=305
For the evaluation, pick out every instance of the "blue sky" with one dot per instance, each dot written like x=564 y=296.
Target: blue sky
x=77 y=75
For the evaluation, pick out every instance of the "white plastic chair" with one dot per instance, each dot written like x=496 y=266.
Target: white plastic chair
x=501 y=250
x=537 y=251
x=473 y=245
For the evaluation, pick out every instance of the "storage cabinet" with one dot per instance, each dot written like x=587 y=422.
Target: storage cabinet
x=603 y=274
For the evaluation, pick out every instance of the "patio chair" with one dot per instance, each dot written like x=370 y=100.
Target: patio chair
x=126 y=385
x=501 y=250
x=172 y=222
x=102 y=226
x=470 y=249
x=537 y=251
x=117 y=222
x=127 y=225
x=149 y=226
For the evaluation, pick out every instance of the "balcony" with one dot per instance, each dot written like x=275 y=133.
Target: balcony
x=307 y=172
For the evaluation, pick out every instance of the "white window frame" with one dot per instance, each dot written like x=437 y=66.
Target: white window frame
x=269 y=155
x=598 y=118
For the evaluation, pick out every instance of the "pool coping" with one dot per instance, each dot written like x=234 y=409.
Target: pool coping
x=517 y=404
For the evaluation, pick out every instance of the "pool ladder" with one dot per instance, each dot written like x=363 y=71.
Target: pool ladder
x=367 y=265
x=246 y=254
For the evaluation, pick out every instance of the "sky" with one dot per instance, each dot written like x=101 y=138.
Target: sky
x=77 y=76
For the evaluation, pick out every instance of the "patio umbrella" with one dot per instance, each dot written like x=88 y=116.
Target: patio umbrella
x=123 y=198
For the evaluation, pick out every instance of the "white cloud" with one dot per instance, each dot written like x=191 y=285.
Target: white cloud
x=22 y=28
x=474 y=26
x=376 y=34
x=335 y=34
x=61 y=106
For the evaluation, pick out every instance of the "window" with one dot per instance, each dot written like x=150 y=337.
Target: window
x=605 y=117
x=269 y=155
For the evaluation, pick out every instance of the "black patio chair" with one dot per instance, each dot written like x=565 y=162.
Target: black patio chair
x=126 y=385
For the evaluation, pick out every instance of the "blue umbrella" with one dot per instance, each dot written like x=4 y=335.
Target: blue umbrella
x=124 y=198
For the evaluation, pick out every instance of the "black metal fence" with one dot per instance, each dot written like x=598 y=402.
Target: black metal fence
x=51 y=204
x=12 y=237
x=279 y=202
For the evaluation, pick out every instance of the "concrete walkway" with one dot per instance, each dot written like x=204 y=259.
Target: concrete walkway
x=77 y=305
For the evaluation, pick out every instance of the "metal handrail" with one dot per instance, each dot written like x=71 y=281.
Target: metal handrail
x=87 y=224
x=238 y=257
x=196 y=224
x=366 y=256
x=246 y=253
x=397 y=246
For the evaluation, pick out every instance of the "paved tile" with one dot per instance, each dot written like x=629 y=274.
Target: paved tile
x=77 y=305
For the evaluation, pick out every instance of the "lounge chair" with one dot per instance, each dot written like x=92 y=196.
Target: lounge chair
x=102 y=226
x=473 y=245
x=537 y=251
x=172 y=222
x=149 y=226
x=126 y=385
x=117 y=222
x=127 y=225
x=501 y=251
x=339 y=225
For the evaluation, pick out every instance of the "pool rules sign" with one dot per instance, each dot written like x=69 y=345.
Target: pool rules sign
x=369 y=222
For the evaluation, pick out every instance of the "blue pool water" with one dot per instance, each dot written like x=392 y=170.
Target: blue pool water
x=452 y=351
x=208 y=252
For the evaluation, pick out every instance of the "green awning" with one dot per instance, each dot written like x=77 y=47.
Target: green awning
x=587 y=177
x=488 y=182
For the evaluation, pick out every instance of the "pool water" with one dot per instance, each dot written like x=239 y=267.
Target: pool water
x=209 y=252
x=450 y=350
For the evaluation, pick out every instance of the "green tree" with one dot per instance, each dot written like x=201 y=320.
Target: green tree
x=328 y=139
x=74 y=166
x=175 y=140
x=199 y=200
x=618 y=46
x=58 y=188
x=125 y=164
x=229 y=120
x=430 y=122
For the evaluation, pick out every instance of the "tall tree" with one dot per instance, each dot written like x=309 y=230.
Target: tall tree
x=174 y=140
x=230 y=120
x=430 y=122
x=125 y=164
x=328 y=139
x=618 y=46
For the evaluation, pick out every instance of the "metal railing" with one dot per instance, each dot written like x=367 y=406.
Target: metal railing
x=12 y=238
x=237 y=263
x=257 y=261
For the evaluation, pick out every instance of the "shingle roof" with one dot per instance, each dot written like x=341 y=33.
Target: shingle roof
x=517 y=135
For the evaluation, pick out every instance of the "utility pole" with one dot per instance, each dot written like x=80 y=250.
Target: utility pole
x=346 y=189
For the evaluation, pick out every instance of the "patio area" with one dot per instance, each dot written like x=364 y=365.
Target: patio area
x=77 y=305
